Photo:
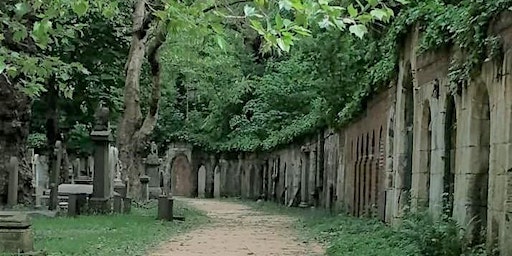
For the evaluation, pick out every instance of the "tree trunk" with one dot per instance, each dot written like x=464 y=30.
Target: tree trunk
x=133 y=128
x=15 y=117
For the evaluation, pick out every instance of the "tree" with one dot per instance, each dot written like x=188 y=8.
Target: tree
x=31 y=31
x=285 y=20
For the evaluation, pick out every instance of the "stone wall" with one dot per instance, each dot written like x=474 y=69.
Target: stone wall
x=420 y=143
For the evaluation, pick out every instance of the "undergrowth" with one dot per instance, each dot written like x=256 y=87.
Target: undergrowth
x=417 y=234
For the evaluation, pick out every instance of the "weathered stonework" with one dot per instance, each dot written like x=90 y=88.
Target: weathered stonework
x=418 y=144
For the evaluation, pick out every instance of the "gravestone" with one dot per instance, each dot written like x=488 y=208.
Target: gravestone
x=15 y=233
x=152 y=163
x=118 y=201
x=201 y=182
x=113 y=159
x=165 y=208
x=12 y=194
x=102 y=181
x=54 y=176
x=76 y=168
x=216 y=182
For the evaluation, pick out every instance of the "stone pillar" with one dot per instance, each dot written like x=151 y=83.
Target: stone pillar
x=101 y=137
x=54 y=177
x=144 y=181
x=12 y=195
x=152 y=164
x=304 y=177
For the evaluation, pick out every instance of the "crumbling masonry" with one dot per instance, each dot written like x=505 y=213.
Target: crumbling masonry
x=418 y=144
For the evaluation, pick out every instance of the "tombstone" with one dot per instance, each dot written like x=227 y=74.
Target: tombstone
x=165 y=208
x=113 y=159
x=54 y=176
x=152 y=163
x=102 y=181
x=201 y=182
x=90 y=166
x=15 y=233
x=216 y=182
x=76 y=204
x=144 y=180
x=12 y=194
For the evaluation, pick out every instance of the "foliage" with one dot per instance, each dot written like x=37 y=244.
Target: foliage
x=78 y=140
x=417 y=234
x=33 y=31
x=131 y=234
x=37 y=141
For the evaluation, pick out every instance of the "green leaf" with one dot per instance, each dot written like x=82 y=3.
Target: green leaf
x=283 y=45
x=20 y=34
x=279 y=22
x=358 y=30
x=217 y=28
x=221 y=41
x=373 y=3
x=21 y=9
x=352 y=11
x=379 y=14
x=256 y=25
x=3 y=66
x=80 y=7
x=404 y=2
x=249 y=11
x=285 y=5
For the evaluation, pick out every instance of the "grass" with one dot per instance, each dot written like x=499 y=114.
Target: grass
x=342 y=234
x=126 y=235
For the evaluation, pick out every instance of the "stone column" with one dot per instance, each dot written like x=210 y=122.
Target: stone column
x=12 y=195
x=101 y=137
x=152 y=164
x=144 y=181
x=304 y=177
x=54 y=177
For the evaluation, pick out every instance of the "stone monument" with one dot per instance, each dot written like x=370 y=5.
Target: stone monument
x=101 y=137
x=12 y=195
x=152 y=163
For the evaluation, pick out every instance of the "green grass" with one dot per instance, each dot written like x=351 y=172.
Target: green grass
x=342 y=234
x=131 y=234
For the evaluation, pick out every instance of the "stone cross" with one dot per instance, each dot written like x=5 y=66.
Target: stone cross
x=54 y=176
x=12 y=195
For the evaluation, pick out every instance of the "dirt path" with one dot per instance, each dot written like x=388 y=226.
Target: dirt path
x=237 y=230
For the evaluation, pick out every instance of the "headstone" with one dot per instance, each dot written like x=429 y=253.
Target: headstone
x=152 y=164
x=54 y=176
x=90 y=166
x=12 y=195
x=165 y=208
x=73 y=205
x=102 y=181
x=144 y=181
x=113 y=159
x=15 y=233
x=216 y=182
x=201 y=182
